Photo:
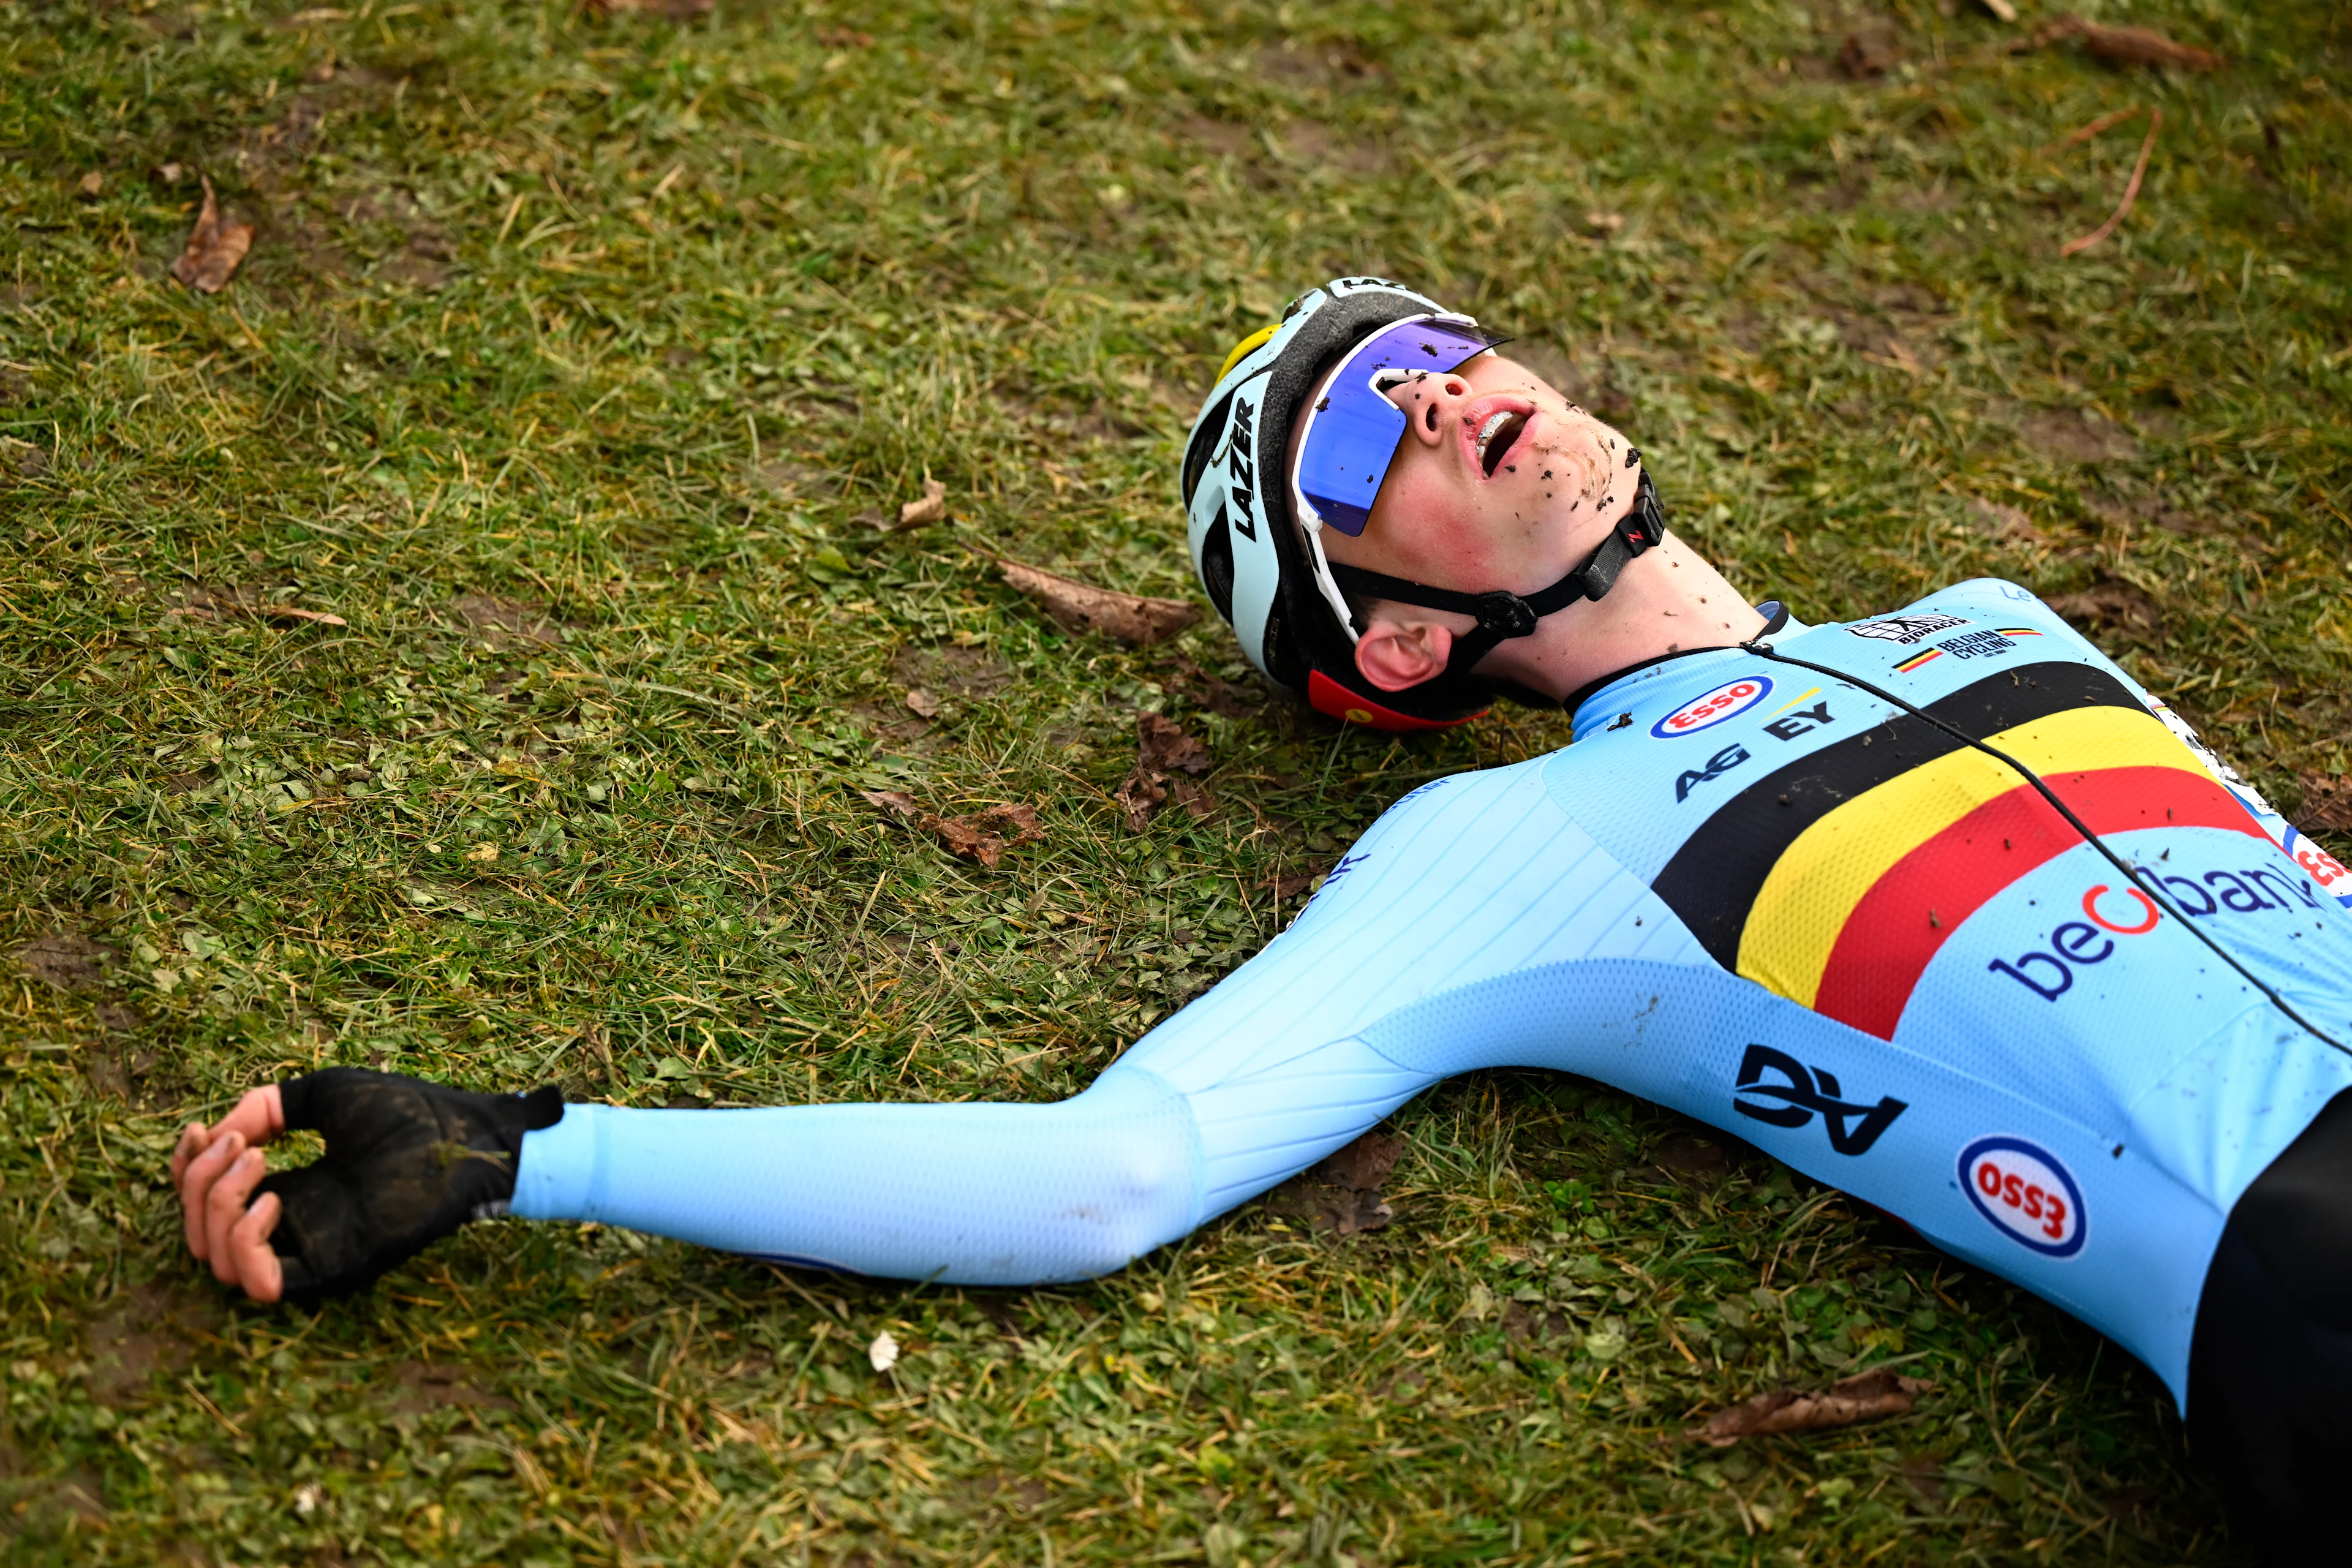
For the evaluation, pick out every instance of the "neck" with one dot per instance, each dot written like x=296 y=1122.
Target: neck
x=1667 y=600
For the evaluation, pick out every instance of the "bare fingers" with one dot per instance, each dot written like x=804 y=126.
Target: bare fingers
x=257 y=1119
x=197 y=1178
x=259 y=1116
x=249 y=1254
x=225 y=1207
x=194 y=1139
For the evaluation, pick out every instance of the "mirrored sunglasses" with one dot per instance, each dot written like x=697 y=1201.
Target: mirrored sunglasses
x=1352 y=431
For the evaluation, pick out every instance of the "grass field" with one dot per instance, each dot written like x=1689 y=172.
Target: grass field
x=571 y=358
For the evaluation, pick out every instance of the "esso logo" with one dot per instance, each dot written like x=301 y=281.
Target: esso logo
x=2023 y=1189
x=1728 y=700
x=2326 y=870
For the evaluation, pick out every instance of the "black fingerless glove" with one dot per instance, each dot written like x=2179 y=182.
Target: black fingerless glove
x=407 y=1163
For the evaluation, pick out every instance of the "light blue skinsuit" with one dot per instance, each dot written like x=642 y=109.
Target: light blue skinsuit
x=1748 y=891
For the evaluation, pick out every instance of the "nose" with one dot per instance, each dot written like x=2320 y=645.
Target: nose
x=1428 y=402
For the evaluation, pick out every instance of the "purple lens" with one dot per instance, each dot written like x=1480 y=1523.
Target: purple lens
x=1352 y=433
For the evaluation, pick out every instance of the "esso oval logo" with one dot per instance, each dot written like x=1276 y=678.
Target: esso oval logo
x=2026 y=1191
x=1728 y=700
x=2326 y=870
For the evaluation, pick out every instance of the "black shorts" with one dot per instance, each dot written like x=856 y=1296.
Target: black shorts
x=2270 y=1369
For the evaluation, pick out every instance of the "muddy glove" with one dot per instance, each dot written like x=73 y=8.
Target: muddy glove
x=407 y=1163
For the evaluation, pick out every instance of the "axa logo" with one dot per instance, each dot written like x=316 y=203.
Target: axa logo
x=1906 y=629
x=1728 y=700
x=1775 y=1088
x=1722 y=762
x=2027 y=1191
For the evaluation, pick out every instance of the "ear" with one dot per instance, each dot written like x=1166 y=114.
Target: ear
x=1395 y=656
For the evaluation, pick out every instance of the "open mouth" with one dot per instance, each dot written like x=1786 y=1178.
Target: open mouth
x=1497 y=437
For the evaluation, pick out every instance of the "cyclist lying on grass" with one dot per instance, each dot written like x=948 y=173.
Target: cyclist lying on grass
x=1939 y=907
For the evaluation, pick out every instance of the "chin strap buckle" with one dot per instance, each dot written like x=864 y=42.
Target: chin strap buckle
x=1504 y=614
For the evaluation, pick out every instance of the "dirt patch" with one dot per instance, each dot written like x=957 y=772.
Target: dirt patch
x=1335 y=65
x=1318 y=146
x=1700 y=1159
x=896 y=725
x=116 y=1064
x=425 y=251
x=1224 y=139
x=788 y=481
x=1342 y=1195
x=1222 y=697
x=2113 y=605
x=22 y=459
x=420 y=1387
x=970 y=674
x=1869 y=50
x=1019 y=1494
x=1526 y=1326
x=497 y=623
x=155 y=1330
x=2128 y=514
x=2072 y=436
x=2000 y=520
x=65 y=961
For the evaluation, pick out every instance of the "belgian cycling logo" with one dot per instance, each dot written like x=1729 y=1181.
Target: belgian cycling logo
x=1728 y=700
x=1722 y=762
x=2026 y=1191
x=1802 y=1095
x=1906 y=629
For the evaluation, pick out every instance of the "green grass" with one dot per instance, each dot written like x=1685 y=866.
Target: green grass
x=567 y=358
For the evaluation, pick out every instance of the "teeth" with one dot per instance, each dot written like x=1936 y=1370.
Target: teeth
x=1486 y=432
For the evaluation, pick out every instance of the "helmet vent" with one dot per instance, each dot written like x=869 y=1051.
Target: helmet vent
x=1207 y=436
x=1217 y=564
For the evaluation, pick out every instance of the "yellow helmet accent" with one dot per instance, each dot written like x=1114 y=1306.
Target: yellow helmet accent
x=1241 y=350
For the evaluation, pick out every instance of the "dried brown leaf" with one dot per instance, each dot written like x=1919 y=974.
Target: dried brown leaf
x=2126 y=46
x=1217 y=695
x=1870 y=1397
x=1869 y=51
x=1365 y=1164
x=922 y=703
x=2327 y=802
x=984 y=836
x=1194 y=798
x=288 y=612
x=2115 y=604
x=1290 y=886
x=1081 y=606
x=932 y=507
x=1138 y=797
x=90 y=185
x=897 y=802
x=1341 y=1195
x=214 y=248
x=1163 y=747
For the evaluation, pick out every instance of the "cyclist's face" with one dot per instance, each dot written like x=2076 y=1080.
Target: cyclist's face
x=1499 y=482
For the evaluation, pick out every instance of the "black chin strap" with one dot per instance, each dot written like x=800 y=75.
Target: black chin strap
x=1502 y=614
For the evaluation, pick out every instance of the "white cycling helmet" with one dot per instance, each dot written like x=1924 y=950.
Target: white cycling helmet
x=1270 y=580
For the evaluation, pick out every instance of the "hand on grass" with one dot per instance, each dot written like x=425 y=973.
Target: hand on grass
x=216 y=1169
